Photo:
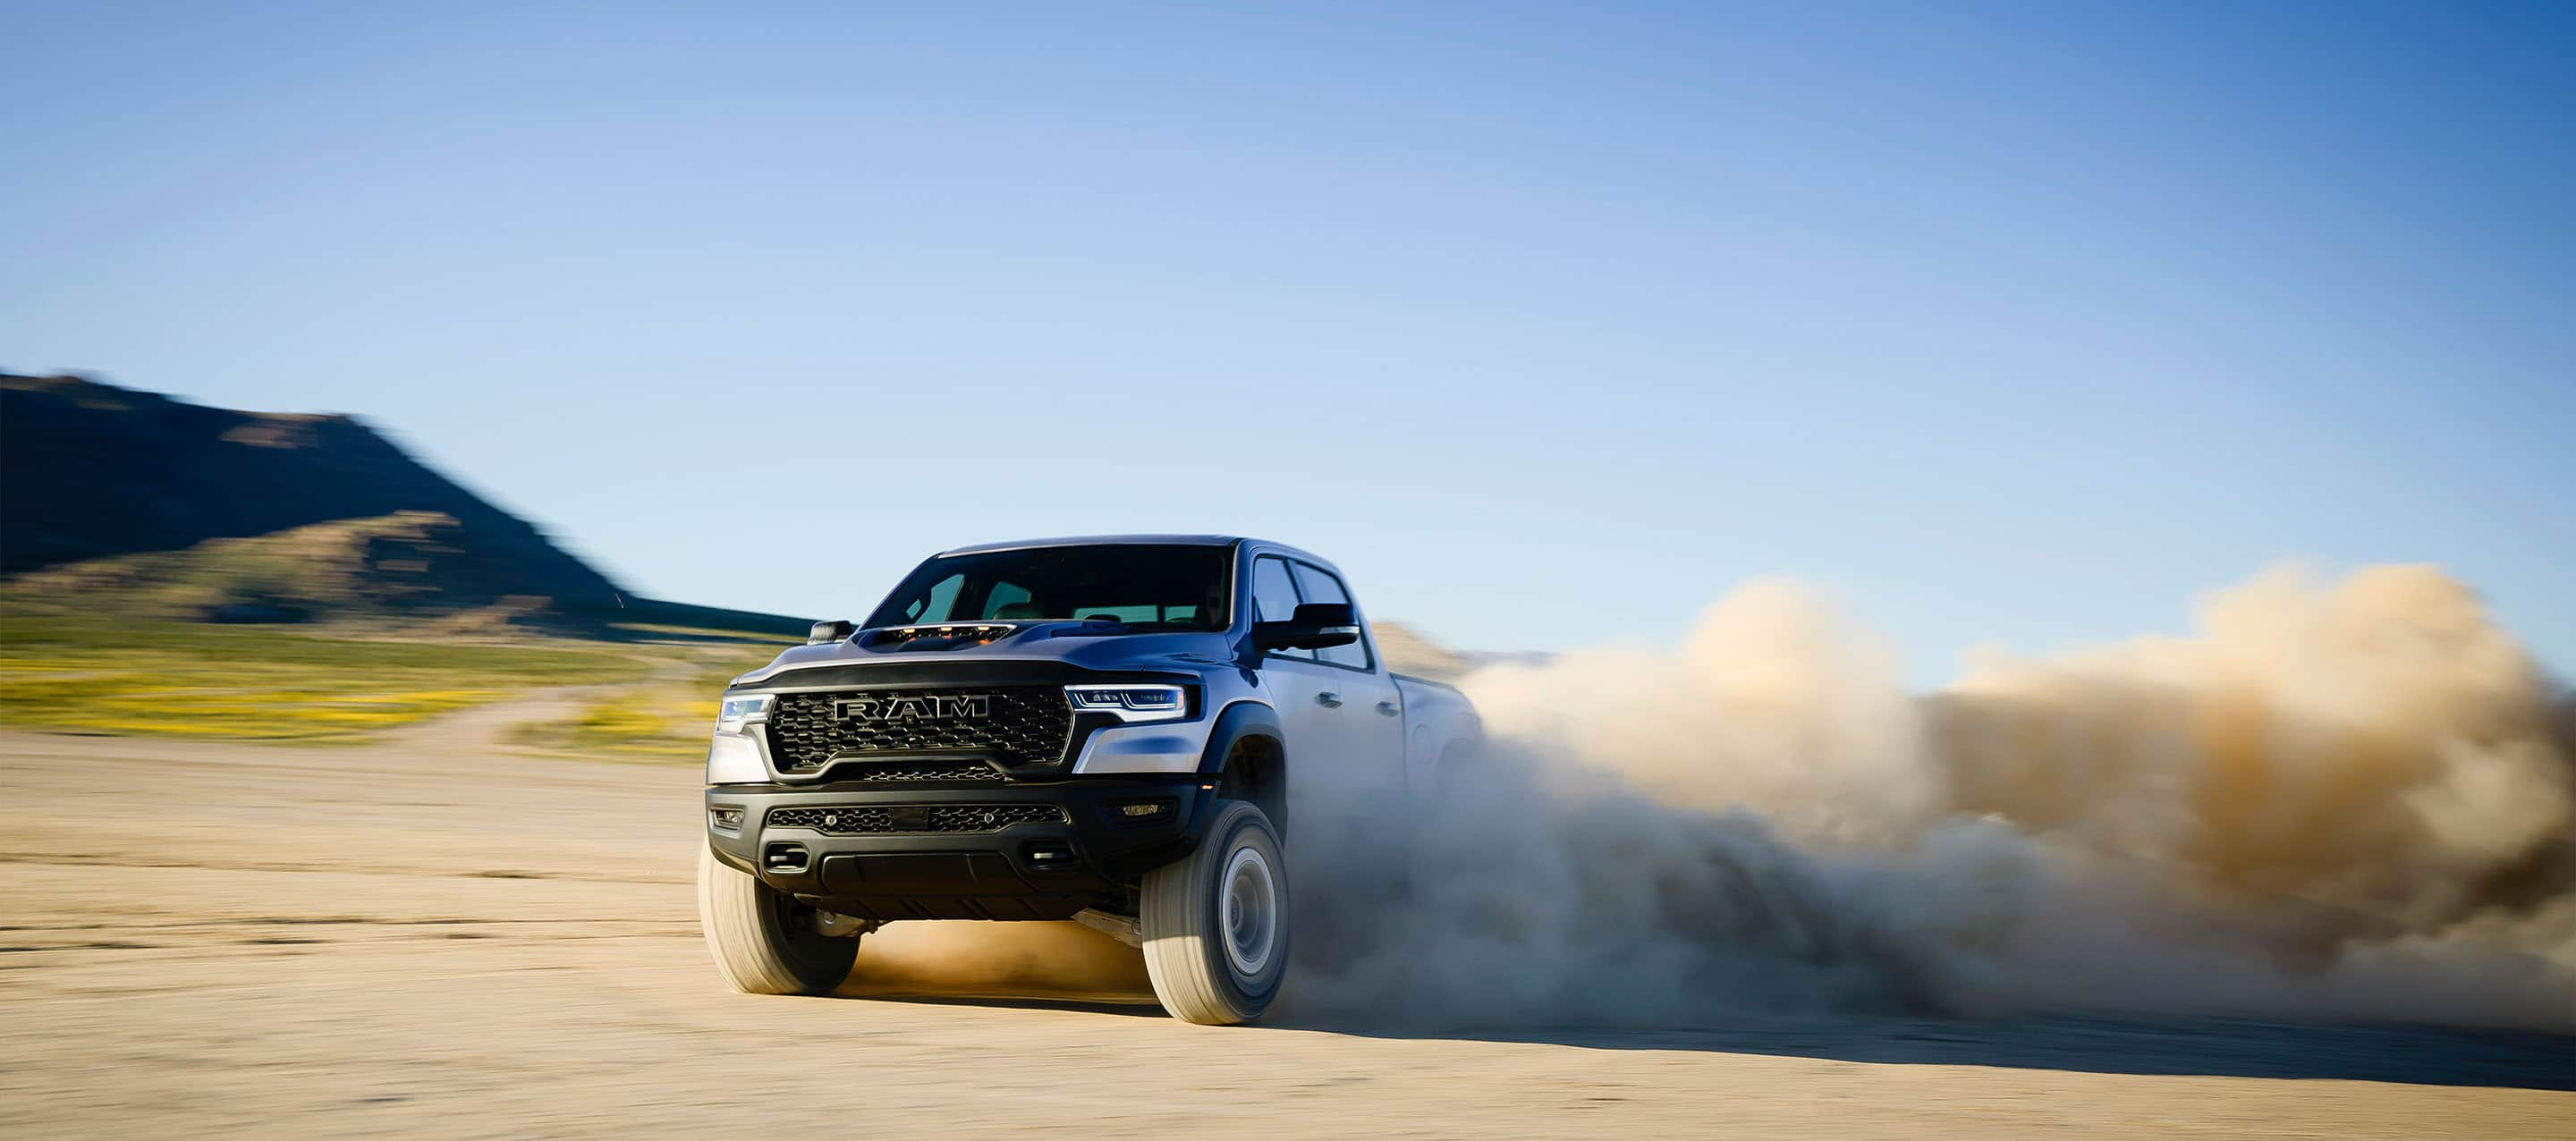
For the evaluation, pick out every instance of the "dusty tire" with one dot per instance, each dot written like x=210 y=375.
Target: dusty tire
x=764 y=942
x=1216 y=924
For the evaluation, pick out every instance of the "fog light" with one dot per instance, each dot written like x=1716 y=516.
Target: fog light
x=727 y=819
x=1146 y=809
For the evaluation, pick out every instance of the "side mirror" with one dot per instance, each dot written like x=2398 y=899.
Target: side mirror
x=832 y=631
x=1315 y=626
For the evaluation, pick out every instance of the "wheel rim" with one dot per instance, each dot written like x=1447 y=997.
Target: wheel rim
x=1249 y=896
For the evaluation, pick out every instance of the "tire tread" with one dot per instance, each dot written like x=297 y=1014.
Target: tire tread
x=1180 y=926
x=733 y=912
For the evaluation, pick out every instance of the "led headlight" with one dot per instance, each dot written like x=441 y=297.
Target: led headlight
x=1130 y=702
x=738 y=713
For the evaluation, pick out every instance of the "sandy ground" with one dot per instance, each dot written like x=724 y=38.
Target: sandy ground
x=433 y=936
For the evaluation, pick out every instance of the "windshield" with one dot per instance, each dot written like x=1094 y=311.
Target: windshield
x=1168 y=587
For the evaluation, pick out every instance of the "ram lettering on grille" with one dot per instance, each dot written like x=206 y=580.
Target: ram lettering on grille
x=932 y=707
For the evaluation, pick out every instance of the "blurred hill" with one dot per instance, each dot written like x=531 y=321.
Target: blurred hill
x=90 y=470
x=177 y=510
x=407 y=564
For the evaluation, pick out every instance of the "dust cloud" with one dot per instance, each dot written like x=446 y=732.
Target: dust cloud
x=968 y=957
x=2351 y=799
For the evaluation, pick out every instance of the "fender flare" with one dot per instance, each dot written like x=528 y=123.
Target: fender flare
x=1238 y=721
x=1244 y=721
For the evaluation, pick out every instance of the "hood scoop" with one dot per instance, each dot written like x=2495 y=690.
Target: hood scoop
x=945 y=636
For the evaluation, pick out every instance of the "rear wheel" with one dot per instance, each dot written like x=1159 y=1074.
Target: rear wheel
x=1215 y=925
x=764 y=941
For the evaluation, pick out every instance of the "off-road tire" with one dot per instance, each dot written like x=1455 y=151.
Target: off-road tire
x=1215 y=925
x=764 y=941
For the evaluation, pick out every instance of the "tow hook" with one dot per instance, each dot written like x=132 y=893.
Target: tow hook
x=841 y=926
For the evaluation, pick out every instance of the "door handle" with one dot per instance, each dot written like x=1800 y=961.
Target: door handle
x=1389 y=708
x=1329 y=699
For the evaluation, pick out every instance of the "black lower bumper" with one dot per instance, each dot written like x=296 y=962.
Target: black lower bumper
x=993 y=852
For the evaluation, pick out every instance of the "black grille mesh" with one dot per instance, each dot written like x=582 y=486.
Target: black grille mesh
x=1020 y=725
x=862 y=821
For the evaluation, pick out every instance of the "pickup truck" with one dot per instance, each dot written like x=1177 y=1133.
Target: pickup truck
x=1106 y=729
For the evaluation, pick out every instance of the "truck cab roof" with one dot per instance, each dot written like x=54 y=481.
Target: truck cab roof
x=1267 y=546
x=1101 y=541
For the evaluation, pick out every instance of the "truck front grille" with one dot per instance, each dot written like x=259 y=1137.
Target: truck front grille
x=872 y=820
x=1011 y=724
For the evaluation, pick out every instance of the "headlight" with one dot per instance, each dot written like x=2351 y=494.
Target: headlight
x=737 y=713
x=1130 y=702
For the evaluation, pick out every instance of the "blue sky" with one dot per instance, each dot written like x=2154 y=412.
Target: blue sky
x=2004 y=323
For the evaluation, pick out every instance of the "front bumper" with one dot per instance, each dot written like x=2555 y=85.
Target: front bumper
x=881 y=857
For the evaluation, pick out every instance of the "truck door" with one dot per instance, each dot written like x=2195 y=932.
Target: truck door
x=1344 y=723
x=1375 y=725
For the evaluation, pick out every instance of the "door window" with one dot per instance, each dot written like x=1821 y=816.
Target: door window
x=1318 y=585
x=1274 y=597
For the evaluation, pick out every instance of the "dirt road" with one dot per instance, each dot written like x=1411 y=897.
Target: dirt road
x=428 y=936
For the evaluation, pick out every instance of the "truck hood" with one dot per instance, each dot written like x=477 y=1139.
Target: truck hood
x=1087 y=645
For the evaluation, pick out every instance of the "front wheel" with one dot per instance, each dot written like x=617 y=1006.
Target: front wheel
x=764 y=941
x=1215 y=925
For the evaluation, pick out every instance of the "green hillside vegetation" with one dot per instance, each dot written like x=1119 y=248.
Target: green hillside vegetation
x=103 y=674
x=406 y=564
x=342 y=630
x=113 y=675
x=419 y=570
x=666 y=719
